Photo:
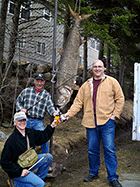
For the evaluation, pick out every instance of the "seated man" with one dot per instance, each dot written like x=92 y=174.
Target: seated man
x=16 y=144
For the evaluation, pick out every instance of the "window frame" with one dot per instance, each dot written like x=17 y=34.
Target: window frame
x=27 y=10
x=96 y=44
x=42 y=48
x=22 y=39
x=93 y=43
x=9 y=7
x=48 y=14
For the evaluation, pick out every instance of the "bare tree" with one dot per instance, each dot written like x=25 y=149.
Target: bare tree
x=85 y=60
x=121 y=70
x=3 y=14
x=101 y=49
x=108 y=60
x=14 y=32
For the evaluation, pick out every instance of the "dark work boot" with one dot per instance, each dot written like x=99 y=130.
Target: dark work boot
x=90 y=178
x=115 y=183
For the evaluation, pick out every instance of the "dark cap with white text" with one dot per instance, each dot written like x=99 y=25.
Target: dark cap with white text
x=39 y=76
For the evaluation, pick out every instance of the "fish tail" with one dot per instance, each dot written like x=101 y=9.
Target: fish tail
x=76 y=15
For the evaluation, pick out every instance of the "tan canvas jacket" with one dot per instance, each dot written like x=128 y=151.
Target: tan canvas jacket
x=110 y=100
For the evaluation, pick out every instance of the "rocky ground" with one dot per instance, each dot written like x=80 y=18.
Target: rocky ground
x=70 y=163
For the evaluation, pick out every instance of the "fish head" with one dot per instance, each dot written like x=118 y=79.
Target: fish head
x=63 y=95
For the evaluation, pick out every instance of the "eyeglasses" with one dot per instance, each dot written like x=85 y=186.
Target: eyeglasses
x=21 y=120
x=95 y=67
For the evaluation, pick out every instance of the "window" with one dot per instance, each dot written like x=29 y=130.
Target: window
x=92 y=43
x=97 y=46
x=43 y=48
x=11 y=7
x=47 y=15
x=80 y=61
x=25 y=10
x=40 y=48
x=20 y=42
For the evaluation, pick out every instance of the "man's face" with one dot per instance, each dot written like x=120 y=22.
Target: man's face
x=98 y=70
x=39 y=84
x=21 y=124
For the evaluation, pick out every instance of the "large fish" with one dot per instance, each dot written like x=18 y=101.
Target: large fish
x=69 y=61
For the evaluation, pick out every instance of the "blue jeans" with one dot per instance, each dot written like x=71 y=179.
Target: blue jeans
x=106 y=133
x=35 y=179
x=37 y=124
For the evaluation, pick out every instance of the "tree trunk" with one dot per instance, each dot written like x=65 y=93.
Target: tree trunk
x=14 y=32
x=66 y=27
x=121 y=71
x=85 y=60
x=108 y=60
x=101 y=50
x=3 y=14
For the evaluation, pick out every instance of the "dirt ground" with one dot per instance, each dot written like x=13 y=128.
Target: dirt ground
x=70 y=162
x=128 y=154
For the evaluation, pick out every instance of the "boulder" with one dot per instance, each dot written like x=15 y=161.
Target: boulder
x=48 y=76
x=43 y=68
x=3 y=136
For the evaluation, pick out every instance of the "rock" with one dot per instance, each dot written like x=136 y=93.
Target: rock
x=41 y=68
x=23 y=62
x=3 y=136
x=48 y=76
x=31 y=68
x=57 y=169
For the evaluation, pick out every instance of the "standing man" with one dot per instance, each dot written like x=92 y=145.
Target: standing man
x=103 y=101
x=37 y=94
x=16 y=145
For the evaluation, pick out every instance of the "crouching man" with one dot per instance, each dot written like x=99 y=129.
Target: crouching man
x=16 y=144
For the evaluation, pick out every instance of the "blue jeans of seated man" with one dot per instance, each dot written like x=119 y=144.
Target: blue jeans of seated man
x=106 y=133
x=37 y=124
x=35 y=179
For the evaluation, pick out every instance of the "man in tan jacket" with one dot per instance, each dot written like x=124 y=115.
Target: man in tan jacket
x=103 y=100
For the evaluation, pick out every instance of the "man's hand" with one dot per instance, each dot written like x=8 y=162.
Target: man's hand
x=66 y=116
x=54 y=114
x=25 y=172
x=55 y=123
x=112 y=117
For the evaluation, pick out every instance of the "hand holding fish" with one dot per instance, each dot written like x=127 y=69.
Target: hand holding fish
x=67 y=117
x=55 y=123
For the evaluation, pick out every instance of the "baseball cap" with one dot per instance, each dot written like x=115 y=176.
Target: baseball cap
x=19 y=116
x=39 y=76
